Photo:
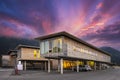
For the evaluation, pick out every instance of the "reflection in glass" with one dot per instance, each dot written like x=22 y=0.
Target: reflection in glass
x=59 y=45
x=42 y=47
x=55 y=46
x=51 y=46
x=46 y=46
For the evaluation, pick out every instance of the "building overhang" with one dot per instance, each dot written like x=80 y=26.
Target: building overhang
x=41 y=59
x=27 y=46
x=74 y=59
x=12 y=52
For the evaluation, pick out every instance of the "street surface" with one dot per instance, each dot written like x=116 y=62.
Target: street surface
x=109 y=74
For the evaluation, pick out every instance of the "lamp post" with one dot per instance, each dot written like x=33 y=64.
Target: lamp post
x=16 y=69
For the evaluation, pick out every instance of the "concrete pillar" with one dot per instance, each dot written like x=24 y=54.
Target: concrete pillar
x=24 y=65
x=58 y=65
x=95 y=68
x=77 y=66
x=61 y=65
x=48 y=65
x=99 y=66
x=45 y=66
x=42 y=65
x=72 y=68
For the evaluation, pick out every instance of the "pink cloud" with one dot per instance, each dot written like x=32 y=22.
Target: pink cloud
x=17 y=29
x=46 y=24
x=99 y=5
x=7 y=32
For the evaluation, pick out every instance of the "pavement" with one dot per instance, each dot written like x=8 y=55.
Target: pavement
x=109 y=74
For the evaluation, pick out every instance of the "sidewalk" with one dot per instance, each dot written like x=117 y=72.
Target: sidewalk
x=5 y=73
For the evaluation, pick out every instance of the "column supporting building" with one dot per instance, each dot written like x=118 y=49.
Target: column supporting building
x=24 y=65
x=72 y=68
x=61 y=65
x=99 y=66
x=45 y=66
x=95 y=66
x=48 y=65
x=77 y=66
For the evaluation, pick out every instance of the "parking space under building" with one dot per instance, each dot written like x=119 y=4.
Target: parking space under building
x=29 y=56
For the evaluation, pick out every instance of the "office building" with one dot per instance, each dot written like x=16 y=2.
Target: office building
x=71 y=51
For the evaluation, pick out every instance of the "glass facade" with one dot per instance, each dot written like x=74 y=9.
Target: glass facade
x=46 y=46
x=51 y=46
x=42 y=48
x=78 y=50
x=71 y=48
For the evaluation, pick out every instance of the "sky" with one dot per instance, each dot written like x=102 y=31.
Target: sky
x=94 y=21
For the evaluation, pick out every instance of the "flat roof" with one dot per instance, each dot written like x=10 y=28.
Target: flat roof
x=73 y=59
x=63 y=33
x=27 y=46
x=34 y=59
x=12 y=51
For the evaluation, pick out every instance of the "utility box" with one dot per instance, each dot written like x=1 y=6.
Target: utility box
x=19 y=66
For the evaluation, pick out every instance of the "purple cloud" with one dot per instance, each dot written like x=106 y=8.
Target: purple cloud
x=92 y=20
x=108 y=36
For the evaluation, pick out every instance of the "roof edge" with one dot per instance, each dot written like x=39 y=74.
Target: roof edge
x=26 y=46
x=64 y=33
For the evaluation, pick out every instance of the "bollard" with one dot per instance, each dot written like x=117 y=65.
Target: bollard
x=16 y=71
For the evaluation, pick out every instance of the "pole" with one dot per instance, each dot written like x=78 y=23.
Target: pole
x=61 y=66
x=16 y=69
x=24 y=65
x=77 y=66
x=48 y=65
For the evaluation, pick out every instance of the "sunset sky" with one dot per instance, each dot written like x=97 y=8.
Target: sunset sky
x=95 y=21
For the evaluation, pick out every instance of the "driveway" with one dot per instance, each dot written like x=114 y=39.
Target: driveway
x=109 y=74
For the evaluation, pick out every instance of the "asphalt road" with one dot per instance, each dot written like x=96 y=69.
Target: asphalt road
x=110 y=74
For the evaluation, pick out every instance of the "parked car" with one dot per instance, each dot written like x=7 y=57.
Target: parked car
x=88 y=68
x=83 y=68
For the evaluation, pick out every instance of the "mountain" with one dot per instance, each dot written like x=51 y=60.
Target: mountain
x=115 y=54
x=7 y=43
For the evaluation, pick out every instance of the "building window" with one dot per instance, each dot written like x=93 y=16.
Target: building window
x=57 y=45
x=50 y=46
x=46 y=46
x=42 y=47
x=19 y=53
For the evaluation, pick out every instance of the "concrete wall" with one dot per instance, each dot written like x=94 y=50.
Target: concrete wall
x=5 y=61
x=75 y=49
x=54 y=64
x=31 y=58
x=28 y=53
x=12 y=61
x=72 y=48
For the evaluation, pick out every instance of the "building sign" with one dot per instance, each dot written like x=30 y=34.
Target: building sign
x=90 y=63
x=69 y=64
x=36 y=53
x=82 y=50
